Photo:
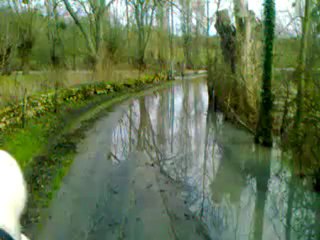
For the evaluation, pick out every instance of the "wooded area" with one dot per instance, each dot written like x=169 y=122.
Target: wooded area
x=262 y=78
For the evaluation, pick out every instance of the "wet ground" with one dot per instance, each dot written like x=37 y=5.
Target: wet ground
x=164 y=167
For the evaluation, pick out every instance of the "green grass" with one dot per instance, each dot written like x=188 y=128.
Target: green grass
x=26 y=143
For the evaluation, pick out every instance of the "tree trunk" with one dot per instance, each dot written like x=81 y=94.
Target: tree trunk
x=302 y=65
x=74 y=55
x=25 y=63
x=144 y=22
x=140 y=50
x=127 y=28
x=6 y=53
x=186 y=25
x=99 y=17
x=227 y=34
x=171 y=77
x=208 y=32
x=248 y=56
x=242 y=49
x=53 y=35
x=264 y=127
x=5 y=60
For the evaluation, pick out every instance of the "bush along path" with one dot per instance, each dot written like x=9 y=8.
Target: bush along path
x=42 y=133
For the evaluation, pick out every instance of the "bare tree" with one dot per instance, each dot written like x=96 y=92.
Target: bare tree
x=162 y=36
x=95 y=10
x=302 y=61
x=199 y=32
x=144 y=12
x=25 y=19
x=8 y=40
x=186 y=27
x=54 y=32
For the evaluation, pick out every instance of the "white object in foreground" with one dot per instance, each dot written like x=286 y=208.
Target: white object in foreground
x=13 y=196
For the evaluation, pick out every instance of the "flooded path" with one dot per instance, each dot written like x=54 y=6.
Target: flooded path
x=163 y=167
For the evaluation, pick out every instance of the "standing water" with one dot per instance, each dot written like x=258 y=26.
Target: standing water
x=164 y=167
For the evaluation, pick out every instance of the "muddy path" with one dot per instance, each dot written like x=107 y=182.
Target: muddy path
x=103 y=198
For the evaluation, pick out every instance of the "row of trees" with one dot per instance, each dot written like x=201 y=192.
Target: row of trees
x=78 y=33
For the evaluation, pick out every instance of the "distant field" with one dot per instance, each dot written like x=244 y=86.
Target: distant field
x=12 y=87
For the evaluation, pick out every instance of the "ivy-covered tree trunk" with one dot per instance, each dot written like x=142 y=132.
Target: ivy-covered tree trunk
x=264 y=127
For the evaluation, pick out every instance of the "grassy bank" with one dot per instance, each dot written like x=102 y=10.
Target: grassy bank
x=46 y=146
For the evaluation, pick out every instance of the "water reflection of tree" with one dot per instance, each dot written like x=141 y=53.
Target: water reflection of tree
x=240 y=186
x=124 y=136
x=262 y=176
x=143 y=125
x=302 y=220
x=211 y=158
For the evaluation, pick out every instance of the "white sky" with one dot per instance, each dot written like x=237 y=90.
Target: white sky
x=257 y=5
x=284 y=12
x=281 y=5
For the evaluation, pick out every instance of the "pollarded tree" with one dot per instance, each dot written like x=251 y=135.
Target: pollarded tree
x=248 y=56
x=264 y=127
x=227 y=33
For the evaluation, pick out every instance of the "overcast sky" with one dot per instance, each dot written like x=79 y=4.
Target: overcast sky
x=284 y=13
x=283 y=7
x=257 y=5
